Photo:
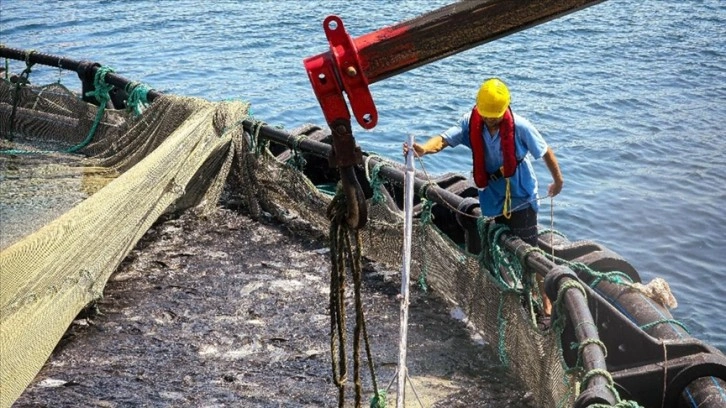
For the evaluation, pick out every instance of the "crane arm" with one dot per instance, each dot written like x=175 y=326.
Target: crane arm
x=352 y=64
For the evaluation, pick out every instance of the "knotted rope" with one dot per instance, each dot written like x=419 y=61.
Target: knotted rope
x=342 y=253
x=508 y=273
x=100 y=92
x=138 y=97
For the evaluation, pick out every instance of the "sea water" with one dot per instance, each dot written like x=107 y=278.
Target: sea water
x=630 y=94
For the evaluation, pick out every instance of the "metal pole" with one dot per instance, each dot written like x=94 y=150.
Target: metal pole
x=405 y=272
x=320 y=149
x=80 y=67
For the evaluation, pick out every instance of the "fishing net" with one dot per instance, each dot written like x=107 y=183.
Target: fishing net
x=80 y=188
x=69 y=219
x=532 y=355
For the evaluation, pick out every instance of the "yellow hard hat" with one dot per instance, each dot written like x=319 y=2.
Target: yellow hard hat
x=492 y=99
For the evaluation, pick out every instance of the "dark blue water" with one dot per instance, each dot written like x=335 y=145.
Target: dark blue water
x=631 y=95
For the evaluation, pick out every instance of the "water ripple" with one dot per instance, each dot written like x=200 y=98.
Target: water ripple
x=630 y=94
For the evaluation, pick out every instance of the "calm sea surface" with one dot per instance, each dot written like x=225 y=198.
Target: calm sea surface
x=631 y=94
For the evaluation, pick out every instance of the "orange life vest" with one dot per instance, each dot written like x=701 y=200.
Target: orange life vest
x=506 y=134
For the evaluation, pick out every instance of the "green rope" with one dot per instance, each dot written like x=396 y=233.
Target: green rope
x=423 y=192
x=570 y=284
x=376 y=183
x=498 y=259
x=663 y=321
x=581 y=347
x=138 y=97
x=426 y=217
x=551 y=231
x=617 y=278
x=559 y=323
x=257 y=145
x=619 y=404
x=425 y=220
x=379 y=400
x=559 y=304
x=611 y=386
x=559 y=327
x=614 y=277
x=501 y=329
x=586 y=377
x=101 y=93
x=596 y=372
x=297 y=160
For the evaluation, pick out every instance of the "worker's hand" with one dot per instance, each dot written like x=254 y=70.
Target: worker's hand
x=555 y=188
x=418 y=150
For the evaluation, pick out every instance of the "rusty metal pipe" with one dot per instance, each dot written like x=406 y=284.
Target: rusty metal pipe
x=453 y=29
x=82 y=68
x=323 y=150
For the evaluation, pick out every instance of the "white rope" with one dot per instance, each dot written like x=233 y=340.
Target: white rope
x=552 y=226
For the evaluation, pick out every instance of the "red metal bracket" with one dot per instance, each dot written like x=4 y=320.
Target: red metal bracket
x=352 y=64
x=340 y=69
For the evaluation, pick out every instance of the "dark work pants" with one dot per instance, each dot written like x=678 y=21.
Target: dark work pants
x=523 y=223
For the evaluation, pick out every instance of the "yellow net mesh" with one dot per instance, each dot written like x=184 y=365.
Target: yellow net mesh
x=69 y=220
x=175 y=156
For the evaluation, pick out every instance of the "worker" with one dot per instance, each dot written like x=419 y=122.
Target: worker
x=500 y=141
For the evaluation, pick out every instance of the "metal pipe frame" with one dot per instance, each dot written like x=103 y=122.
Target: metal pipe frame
x=84 y=69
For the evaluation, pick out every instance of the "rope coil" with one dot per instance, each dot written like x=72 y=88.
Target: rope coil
x=342 y=254
x=138 y=97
